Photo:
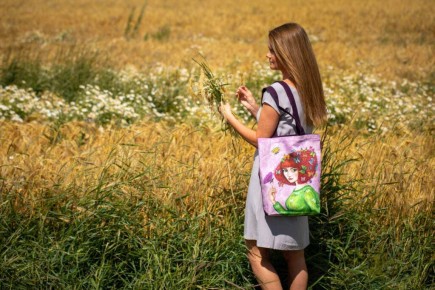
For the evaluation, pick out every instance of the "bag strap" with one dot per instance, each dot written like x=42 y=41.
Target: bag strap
x=299 y=129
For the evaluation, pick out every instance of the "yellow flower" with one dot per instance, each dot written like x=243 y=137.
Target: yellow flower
x=275 y=150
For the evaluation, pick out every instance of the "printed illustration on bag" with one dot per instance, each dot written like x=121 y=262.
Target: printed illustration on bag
x=294 y=173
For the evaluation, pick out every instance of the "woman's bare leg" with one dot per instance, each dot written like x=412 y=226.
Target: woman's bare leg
x=297 y=269
x=261 y=266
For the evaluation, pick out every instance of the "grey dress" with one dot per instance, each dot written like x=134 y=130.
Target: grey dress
x=275 y=232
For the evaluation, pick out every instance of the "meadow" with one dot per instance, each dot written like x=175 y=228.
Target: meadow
x=115 y=173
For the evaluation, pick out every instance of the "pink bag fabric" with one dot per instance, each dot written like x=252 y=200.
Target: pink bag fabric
x=290 y=168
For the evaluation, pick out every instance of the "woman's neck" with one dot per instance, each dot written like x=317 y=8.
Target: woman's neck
x=289 y=82
x=286 y=78
x=299 y=186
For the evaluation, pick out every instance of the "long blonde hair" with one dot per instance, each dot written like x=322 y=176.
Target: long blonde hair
x=295 y=55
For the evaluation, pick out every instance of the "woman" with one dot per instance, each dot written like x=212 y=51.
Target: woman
x=289 y=52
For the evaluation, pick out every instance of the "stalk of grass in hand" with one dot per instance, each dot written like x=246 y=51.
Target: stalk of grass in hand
x=213 y=90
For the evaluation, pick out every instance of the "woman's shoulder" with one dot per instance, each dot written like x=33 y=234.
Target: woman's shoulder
x=278 y=87
x=275 y=90
x=281 y=88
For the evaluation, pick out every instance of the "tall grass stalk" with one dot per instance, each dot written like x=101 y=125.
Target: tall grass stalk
x=139 y=19
x=131 y=30
x=213 y=89
x=129 y=23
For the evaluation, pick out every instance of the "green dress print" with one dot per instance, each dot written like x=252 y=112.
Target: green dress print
x=303 y=200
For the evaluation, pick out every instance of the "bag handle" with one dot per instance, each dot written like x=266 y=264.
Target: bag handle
x=299 y=129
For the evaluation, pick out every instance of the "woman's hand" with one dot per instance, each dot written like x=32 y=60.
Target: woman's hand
x=245 y=97
x=225 y=110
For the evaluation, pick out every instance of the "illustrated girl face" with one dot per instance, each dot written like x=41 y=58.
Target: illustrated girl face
x=291 y=174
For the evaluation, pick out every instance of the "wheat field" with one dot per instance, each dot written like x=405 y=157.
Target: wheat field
x=393 y=38
x=114 y=173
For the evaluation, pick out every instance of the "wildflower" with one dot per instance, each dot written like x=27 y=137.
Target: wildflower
x=4 y=108
x=16 y=118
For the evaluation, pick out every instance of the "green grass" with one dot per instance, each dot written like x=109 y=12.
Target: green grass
x=108 y=240
x=71 y=69
x=117 y=234
x=356 y=245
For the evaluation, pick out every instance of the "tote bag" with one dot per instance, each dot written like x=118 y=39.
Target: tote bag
x=290 y=168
